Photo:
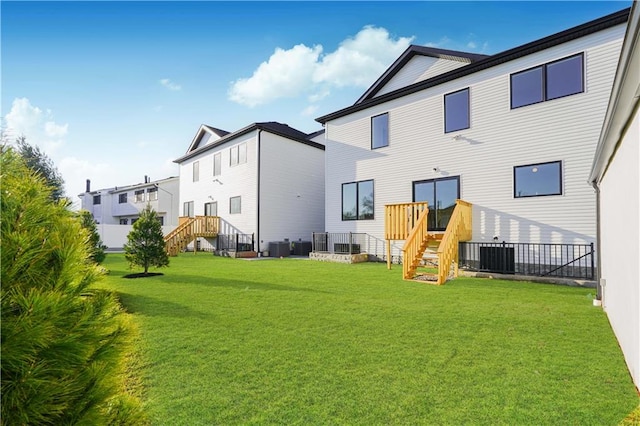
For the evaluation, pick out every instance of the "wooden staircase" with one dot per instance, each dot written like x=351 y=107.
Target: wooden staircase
x=443 y=246
x=189 y=229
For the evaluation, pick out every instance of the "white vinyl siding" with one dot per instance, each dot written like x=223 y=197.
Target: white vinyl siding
x=419 y=68
x=485 y=154
x=292 y=190
x=620 y=249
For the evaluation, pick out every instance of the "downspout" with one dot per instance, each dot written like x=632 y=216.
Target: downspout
x=258 y=196
x=598 y=243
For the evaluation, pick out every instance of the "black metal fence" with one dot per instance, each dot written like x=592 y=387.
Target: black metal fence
x=536 y=259
x=235 y=242
x=339 y=243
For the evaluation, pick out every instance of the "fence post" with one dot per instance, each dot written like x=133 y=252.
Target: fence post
x=350 y=244
x=253 y=242
x=592 y=262
x=237 y=238
x=313 y=242
x=504 y=257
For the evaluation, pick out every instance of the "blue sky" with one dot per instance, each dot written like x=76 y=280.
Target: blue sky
x=113 y=91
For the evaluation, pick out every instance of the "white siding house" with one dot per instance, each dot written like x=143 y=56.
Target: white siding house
x=116 y=209
x=265 y=180
x=616 y=174
x=512 y=133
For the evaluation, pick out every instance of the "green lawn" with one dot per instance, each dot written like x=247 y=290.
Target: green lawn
x=289 y=341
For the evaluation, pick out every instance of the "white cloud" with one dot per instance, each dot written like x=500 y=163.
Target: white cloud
x=285 y=74
x=309 y=110
x=472 y=45
x=361 y=59
x=170 y=85
x=35 y=124
x=289 y=73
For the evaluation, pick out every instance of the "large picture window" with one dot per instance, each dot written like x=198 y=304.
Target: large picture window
x=535 y=180
x=456 y=111
x=441 y=195
x=548 y=81
x=357 y=200
x=380 y=131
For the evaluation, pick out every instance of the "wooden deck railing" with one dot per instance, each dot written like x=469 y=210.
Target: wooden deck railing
x=399 y=220
x=458 y=229
x=188 y=230
x=414 y=246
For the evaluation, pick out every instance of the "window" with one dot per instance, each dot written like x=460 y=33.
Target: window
x=534 y=180
x=152 y=194
x=357 y=200
x=211 y=209
x=217 y=164
x=196 y=171
x=456 y=111
x=187 y=209
x=161 y=220
x=380 y=131
x=549 y=81
x=139 y=196
x=441 y=195
x=122 y=198
x=124 y=221
x=134 y=220
x=238 y=154
x=96 y=199
x=235 y=205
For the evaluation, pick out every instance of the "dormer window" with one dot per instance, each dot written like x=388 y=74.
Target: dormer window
x=380 y=131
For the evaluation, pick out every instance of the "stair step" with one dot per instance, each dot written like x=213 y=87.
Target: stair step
x=426 y=277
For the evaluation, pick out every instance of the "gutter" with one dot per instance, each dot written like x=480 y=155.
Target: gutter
x=598 y=240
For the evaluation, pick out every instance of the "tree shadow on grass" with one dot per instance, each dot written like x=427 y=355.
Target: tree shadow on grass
x=243 y=285
x=150 y=306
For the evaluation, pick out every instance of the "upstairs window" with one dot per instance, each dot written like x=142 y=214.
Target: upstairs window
x=380 y=131
x=196 y=171
x=456 y=111
x=122 y=198
x=238 y=154
x=217 y=164
x=535 y=180
x=549 y=81
x=357 y=200
x=152 y=194
x=96 y=199
x=124 y=221
x=139 y=196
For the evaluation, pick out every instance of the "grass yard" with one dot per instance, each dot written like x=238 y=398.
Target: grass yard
x=288 y=341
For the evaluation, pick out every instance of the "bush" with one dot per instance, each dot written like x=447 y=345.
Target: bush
x=62 y=342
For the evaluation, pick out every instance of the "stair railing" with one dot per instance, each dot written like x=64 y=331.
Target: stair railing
x=458 y=229
x=187 y=231
x=414 y=246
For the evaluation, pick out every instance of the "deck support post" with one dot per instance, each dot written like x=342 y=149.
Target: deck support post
x=388 y=254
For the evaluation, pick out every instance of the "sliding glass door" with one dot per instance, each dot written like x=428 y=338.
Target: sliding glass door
x=441 y=194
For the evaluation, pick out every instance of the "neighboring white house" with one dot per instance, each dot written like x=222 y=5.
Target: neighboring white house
x=513 y=133
x=616 y=174
x=265 y=180
x=116 y=209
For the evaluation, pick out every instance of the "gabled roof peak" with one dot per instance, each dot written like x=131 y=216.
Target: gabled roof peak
x=412 y=51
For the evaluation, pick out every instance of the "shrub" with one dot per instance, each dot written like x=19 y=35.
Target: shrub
x=62 y=342
x=145 y=243
x=95 y=243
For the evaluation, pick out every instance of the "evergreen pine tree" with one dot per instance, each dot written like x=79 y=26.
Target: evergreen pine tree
x=145 y=243
x=62 y=342
x=95 y=243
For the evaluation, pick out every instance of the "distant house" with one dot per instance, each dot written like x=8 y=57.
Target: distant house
x=264 y=182
x=513 y=134
x=616 y=175
x=116 y=209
